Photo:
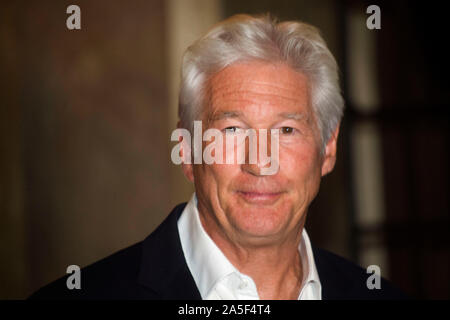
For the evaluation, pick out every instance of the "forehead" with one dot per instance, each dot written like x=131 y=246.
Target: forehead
x=258 y=85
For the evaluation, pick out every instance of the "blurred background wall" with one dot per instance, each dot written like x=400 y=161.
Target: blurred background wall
x=86 y=117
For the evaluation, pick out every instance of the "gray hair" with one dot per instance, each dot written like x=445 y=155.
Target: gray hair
x=243 y=38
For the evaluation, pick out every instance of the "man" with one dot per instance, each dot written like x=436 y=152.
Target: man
x=242 y=235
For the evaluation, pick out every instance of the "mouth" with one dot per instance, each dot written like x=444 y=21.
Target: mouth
x=259 y=198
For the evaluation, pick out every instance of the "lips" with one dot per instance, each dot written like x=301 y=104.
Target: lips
x=260 y=197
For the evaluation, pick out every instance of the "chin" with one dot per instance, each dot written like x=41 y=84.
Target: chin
x=261 y=222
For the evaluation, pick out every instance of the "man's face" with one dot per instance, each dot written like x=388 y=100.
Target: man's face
x=235 y=201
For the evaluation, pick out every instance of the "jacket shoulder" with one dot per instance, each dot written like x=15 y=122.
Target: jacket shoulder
x=343 y=279
x=141 y=271
x=113 y=277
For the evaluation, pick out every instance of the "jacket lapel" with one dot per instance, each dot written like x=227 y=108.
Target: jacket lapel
x=163 y=266
x=334 y=285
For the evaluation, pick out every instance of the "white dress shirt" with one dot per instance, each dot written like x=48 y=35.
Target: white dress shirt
x=217 y=279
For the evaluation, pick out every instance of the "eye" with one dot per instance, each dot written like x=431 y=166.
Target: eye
x=287 y=130
x=231 y=129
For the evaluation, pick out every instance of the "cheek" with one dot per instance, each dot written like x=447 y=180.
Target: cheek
x=300 y=163
x=214 y=178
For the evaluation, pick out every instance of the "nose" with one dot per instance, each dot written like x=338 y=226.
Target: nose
x=266 y=158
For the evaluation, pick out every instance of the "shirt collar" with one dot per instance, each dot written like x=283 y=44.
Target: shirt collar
x=209 y=265
x=205 y=260
x=310 y=274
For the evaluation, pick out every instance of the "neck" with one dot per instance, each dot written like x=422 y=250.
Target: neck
x=275 y=267
x=277 y=271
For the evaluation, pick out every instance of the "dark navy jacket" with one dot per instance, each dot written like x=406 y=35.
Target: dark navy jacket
x=156 y=269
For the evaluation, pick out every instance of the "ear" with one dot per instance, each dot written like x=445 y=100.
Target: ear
x=330 y=153
x=188 y=169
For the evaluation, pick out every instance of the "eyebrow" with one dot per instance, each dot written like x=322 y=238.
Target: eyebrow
x=298 y=116
x=225 y=115
x=294 y=115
